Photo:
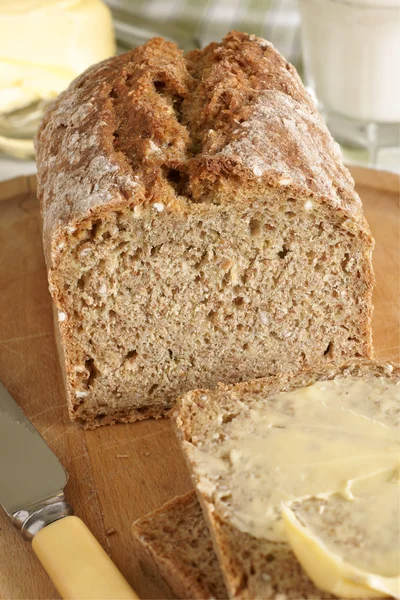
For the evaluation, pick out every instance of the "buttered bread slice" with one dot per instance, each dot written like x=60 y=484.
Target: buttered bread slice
x=304 y=467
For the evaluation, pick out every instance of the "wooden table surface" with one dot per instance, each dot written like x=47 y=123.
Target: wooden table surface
x=120 y=473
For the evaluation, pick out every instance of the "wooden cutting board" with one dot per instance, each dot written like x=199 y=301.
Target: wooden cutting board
x=120 y=473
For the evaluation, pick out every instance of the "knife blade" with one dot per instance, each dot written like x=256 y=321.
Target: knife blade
x=29 y=471
x=32 y=481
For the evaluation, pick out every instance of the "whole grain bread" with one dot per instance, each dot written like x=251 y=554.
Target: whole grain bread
x=177 y=539
x=256 y=567
x=199 y=226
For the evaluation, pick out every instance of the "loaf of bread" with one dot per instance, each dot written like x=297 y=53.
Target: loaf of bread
x=209 y=423
x=177 y=540
x=199 y=227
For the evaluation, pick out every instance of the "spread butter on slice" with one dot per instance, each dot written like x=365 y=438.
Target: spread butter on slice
x=316 y=467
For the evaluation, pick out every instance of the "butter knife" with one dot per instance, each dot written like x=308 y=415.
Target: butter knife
x=32 y=482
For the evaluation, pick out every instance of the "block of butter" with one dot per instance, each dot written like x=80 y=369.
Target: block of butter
x=44 y=44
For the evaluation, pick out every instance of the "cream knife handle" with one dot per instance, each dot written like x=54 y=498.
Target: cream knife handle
x=77 y=564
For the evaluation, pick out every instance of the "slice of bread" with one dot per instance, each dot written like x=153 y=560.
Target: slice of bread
x=199 y=227
x=254 y=567
x=178 y=541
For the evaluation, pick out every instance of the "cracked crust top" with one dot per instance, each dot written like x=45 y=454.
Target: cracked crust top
x=151 y=123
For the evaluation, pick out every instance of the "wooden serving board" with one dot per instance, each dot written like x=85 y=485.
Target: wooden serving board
x=120 y=473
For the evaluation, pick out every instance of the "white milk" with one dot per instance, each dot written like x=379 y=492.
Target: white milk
x=351 y=52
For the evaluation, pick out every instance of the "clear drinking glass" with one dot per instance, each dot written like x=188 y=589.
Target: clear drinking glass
x=351 y=53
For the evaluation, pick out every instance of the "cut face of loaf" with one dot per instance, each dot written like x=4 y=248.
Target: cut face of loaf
x=159 y=302
x=210 y=426
x=199 y=227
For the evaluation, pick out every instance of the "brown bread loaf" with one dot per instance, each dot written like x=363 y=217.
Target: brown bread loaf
x=199 y=226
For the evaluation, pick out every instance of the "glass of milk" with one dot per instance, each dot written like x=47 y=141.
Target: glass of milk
x=351 y=52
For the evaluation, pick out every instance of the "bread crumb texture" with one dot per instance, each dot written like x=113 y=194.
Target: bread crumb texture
x=199 y=226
